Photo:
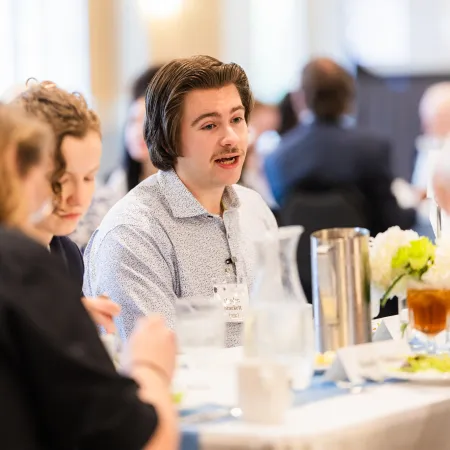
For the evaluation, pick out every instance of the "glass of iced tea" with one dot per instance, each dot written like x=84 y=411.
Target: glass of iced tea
x=428 y=311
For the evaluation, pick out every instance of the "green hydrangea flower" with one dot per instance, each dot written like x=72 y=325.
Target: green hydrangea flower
x=411 y=260
x=415 y=258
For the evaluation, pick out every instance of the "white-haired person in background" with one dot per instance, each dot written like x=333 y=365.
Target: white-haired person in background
x=440 y=187
x=441 y=193
x=434 y=113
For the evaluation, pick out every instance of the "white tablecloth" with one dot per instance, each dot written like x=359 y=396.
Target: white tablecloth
x=390 y=416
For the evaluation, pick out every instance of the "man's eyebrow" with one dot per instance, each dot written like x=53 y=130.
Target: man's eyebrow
x=237 y=108
x=214 y=114
x=204 y=116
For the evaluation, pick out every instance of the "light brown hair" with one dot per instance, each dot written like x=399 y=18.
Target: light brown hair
x=23 y=142
x=328 y=89
x=66 y=113
x=165 y=95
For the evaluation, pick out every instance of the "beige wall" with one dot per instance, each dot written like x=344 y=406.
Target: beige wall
x=119 y=51
x=194 y=30
x=123 y=42
x=104 y=61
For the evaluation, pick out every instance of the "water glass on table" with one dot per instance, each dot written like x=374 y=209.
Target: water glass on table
x=200 y=330
x=428 y=312
x=114 y=346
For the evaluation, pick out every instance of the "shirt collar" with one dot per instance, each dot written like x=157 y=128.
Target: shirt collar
x=181 y=201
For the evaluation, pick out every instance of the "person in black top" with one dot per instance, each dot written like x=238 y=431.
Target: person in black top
x=70 y=254
x=77 y=153
x=58 y=386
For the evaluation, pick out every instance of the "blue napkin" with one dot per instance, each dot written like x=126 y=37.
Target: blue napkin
x=320 y=389
x=189 y=438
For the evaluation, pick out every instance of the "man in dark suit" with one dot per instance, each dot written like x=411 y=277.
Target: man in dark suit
x=326 y=154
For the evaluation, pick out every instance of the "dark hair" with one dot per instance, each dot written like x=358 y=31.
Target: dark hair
x=328 y=89
x=165 y=95
x=66 y=113
x=289 y=117
x=133 y=168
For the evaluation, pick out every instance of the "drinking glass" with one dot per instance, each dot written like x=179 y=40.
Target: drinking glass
x=414 y=337
x=114 y=346
x=200 y=330
x=428 y=312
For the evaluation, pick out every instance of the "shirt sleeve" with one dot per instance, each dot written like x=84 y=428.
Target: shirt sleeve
x=266 y=215
x=135 y=269
x=79 y=398
x=269 y=218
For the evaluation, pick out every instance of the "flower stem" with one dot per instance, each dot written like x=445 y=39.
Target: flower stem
x=386 y=297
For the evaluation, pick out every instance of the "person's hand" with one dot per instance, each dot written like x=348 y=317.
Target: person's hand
x=102 y=310
x=152 y=344
x=407 y=195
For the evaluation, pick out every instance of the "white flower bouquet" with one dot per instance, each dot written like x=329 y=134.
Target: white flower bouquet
x=398 y=255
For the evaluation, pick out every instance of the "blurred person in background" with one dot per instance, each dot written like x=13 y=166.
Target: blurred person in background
x=76 y=160
x=263 y=138
x=290 y=107
x=434 y=114
x=190 y=224
x=327 y=154
x=136 y=165
x=58 y=386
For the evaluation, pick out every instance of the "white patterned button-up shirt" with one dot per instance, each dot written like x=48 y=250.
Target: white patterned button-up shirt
x=158 y=244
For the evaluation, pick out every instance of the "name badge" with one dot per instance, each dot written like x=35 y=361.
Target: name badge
x=234 y=298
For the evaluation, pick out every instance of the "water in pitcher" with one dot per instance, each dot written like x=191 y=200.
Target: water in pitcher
x=285 y=334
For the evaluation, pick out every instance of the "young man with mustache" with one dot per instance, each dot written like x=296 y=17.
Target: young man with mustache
x=189 y=224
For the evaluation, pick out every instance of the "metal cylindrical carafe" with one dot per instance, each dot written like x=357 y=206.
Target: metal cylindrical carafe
x=341 y=287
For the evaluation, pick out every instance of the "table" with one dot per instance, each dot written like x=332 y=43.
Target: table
x=387 y=416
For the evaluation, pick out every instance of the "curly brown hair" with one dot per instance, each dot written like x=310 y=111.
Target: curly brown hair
x=23 y=142
x=67 y=114
x=165 y=95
